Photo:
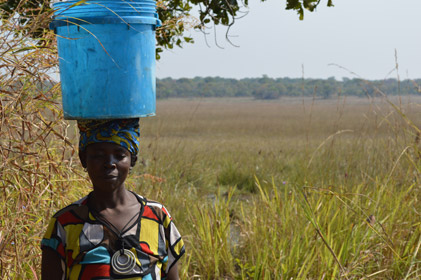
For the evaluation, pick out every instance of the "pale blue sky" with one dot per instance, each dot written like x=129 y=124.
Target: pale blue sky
x=360 y=35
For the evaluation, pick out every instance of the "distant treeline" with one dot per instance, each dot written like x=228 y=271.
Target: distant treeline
x=269 y=88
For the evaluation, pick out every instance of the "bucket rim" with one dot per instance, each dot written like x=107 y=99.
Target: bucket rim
x=68 y=116
x=96 y=13
x=66 y=21
x=96 y=2
x=138 y=2
x=67 y=8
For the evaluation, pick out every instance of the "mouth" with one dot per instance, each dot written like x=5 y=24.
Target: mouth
x=109 y=177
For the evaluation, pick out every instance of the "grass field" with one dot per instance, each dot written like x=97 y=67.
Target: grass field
x=287 y=189
x=225 y=142
x=295 y=188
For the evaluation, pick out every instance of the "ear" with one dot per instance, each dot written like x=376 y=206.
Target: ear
x=82 y=157
x=133 y=159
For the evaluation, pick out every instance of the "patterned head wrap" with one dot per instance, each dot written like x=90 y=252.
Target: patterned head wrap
x=124 y=132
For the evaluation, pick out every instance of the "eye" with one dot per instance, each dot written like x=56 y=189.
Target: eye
x=98 y=156
x=121 y=156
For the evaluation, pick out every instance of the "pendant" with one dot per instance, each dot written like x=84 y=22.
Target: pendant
x=123 y=263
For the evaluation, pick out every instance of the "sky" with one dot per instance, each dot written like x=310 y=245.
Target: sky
x=356 y=38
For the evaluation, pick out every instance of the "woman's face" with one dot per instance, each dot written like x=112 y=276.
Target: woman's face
x=108 y=165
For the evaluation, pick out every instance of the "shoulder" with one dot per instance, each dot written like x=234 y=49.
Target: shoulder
x=62 y=223
x=155 y=210
x=74 y=213
x=158 y=207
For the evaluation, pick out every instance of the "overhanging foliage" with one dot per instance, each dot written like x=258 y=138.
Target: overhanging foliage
x=172 y=13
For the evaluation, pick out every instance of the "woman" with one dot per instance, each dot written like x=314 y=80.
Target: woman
x=112 y=233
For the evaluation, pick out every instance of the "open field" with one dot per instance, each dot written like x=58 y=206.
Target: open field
x=288 y=189
x=342 y=141
x=324 y=168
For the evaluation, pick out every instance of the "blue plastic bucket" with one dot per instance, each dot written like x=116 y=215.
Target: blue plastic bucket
x=107 y=58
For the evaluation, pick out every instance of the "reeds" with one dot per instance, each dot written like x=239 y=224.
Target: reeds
x=36 y=163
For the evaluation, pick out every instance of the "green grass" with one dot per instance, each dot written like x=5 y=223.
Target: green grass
x=322 y=170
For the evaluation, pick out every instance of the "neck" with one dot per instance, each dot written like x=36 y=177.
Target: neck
x=111 y=200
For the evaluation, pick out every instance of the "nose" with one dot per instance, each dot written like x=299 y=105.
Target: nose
x=110 y=163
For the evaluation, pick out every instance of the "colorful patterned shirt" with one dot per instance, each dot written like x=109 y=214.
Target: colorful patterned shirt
x=86 y=247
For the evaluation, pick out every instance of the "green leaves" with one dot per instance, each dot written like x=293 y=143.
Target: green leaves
x=174 y=14
x=211 y=12
x=300 y=5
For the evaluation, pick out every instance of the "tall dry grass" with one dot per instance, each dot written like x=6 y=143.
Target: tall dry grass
x=36 y=168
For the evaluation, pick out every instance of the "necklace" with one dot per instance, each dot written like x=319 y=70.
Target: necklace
x=123 y=261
